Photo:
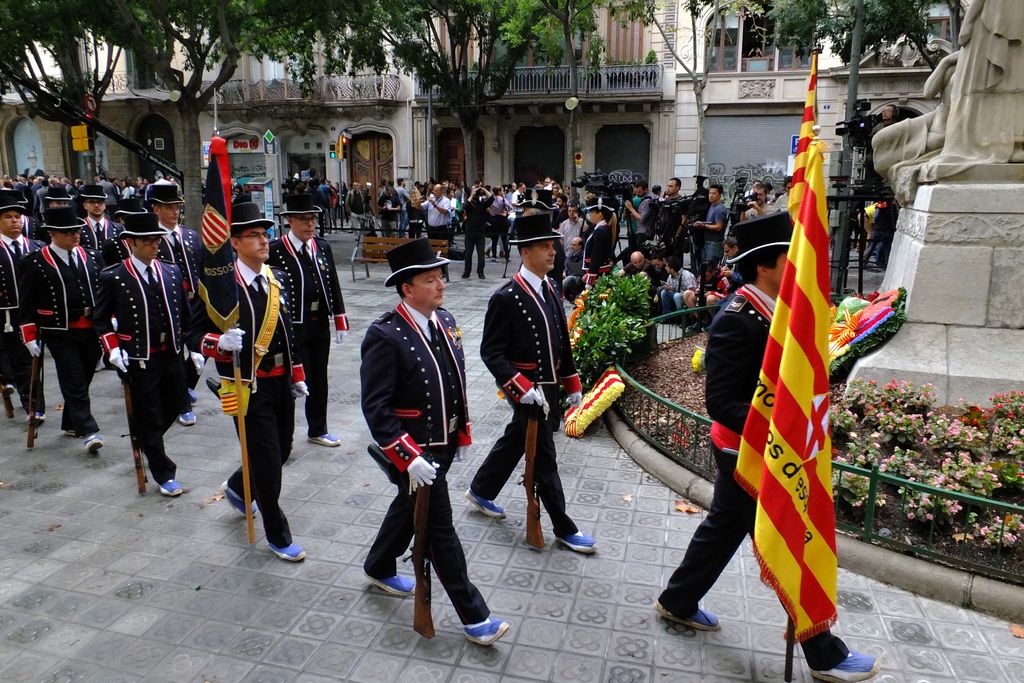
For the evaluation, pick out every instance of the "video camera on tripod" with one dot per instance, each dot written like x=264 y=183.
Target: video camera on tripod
x=860 y=126
x=672 y=211
x=613 y=184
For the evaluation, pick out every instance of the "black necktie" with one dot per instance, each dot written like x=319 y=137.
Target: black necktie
x=17 y=248
x=99 y=231
x=72 y=262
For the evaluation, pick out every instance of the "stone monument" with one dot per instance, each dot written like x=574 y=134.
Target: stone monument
x=959 y=248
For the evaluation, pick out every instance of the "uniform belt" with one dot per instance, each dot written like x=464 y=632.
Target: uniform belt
x=276 y=372
x=159 y=349
x=271 y=366
x=81 y=323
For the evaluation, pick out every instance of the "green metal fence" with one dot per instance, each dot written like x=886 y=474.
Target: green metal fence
x=889 y=509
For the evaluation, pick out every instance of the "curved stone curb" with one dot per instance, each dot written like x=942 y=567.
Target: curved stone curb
x=918 y=576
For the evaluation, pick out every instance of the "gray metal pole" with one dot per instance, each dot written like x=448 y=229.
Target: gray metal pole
x=430 y=133
x=853 y=84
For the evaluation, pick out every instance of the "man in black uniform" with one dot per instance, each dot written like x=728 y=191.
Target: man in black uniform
x=15 y=245
x=270 y=368
x=98 y=230
x=526 y=348
x=413 y=380
x=315 y=294
x=146 y=298
x=117 y=249
x=598 y=249
x=181 y=247
x=57 y=287
x=54 y=198
x=736 y=343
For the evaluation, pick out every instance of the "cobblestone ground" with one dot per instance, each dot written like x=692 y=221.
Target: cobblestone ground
x=100 y=584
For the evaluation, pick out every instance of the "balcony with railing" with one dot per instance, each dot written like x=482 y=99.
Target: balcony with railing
x=328 y=89
x=623 y=80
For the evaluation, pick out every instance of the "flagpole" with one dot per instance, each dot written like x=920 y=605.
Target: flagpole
x=243 y=408
x=790 y=639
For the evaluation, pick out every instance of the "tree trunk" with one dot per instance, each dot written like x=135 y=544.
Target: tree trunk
x=469 y=152
x=190 y=163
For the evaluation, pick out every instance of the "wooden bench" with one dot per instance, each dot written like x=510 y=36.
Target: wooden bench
x=373 y=249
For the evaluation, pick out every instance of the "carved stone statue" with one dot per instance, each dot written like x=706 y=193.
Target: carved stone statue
x=981 y=118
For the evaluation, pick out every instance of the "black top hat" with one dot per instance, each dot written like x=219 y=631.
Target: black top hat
x=410 y=258
x=773 y=230
x=299 y=203
x=58 y=194
x=534 y=228
x=143 y=225
x=602 y=202
x=129 y=206
x=248 y=215
x=62 y=218
x=165 y=193
x=91 y=192
x=241 y=197
x=539 y=199
x=12 y=200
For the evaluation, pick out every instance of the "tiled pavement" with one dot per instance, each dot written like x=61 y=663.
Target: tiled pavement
x=99 y=584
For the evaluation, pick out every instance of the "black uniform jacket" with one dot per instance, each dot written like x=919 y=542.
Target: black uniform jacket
x=736 y=343
x=43 y=293
x=97 y=241
x=284 y=256
x=597 y=253
x=122 y=297
x=203 y=334
x=193 y=246
x=517 y=347
x=404 y=396
x=10 y=266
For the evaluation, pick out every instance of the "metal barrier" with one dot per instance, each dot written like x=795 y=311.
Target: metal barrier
x=950 y=538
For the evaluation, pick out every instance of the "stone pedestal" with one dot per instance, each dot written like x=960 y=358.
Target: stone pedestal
x=959 y=253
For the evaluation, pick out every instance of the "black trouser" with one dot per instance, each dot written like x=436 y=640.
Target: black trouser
x=269 y=424
x=17 y=368
x=75 y=353
x=509 y=450
x=474 y=241
x=155 y=409
x=313 y=343
x=730 y=520
x=446 y=554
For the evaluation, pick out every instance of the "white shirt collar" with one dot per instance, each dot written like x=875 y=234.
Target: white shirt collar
x=92 y=221
x=536 y=282
x=296 y=242
x=762 y=297
x=247 y=273
x=63 y=253
x=11 y=240
x=139 y=265
x=170 y=229
x=421 y=320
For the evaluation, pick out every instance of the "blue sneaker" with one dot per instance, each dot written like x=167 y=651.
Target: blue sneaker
x=701 y=620
x=170 y=488
x=487 y=633
x=329 y=440
x=579 y=542
x=193 y=397
x=93 y=443
x=187 y=419
x=488 y=507
x=395 y=585
x=236 y=501
x=291 y=553
x=856 y=667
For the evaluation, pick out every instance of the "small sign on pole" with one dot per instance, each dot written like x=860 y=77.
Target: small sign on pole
x=578 y=159
x=794 y=143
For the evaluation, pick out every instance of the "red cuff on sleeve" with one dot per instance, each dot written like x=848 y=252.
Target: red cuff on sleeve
x=517 y=386
x=298 y=373
x=572 y=384
x=341 y=322
x=402 y=451
x=209 y=348
x=465 y=436
x=29 y=332
x=109 y=341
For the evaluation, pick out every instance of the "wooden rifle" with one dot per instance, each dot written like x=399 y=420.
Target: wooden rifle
x=422 y=621
x=133 y=437
x=534 y=534
x=33 y=397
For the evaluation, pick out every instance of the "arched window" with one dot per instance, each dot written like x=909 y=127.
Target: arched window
x=746 y=42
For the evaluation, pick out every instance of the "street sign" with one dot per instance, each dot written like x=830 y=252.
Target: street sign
x=268 y=136
x=578 y=159
x=89 y=103
x=269 y=146
x=794 y=142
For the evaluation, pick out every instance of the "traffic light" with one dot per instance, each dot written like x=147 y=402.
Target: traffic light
x=333 y=150
x=344 y=147
x=80 y=141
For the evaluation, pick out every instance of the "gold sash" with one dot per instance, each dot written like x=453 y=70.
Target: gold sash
x=238 y=405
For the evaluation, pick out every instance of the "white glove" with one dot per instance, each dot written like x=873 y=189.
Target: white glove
x=299 y=389
x=575 y=398
x=231 y=340
x=461 y=452
x=339 y=336
x=197 y=360
x=421 y=472
x=533 y=397
x=119 y=359
x=33 y=348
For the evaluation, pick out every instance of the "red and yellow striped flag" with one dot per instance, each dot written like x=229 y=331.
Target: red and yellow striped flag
x=796 y=192
x=785 y=458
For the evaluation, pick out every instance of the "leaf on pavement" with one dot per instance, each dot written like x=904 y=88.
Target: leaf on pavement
x=686 y=506
x=960 y=538
x=4 y=485
x=211 y=500
x=53 y=527
x=628 y=498
x=1017 y=630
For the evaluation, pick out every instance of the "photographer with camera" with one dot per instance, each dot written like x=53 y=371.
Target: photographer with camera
x=644 y=215
x=757 y=201
x=713 y=227
x=475 y=226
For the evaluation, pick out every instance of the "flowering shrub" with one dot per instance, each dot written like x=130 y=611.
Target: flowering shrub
x=946 y=433
x=1000 y=531
x=901 y=428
